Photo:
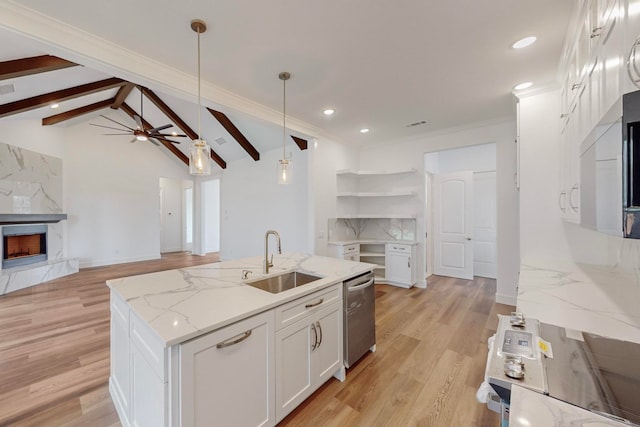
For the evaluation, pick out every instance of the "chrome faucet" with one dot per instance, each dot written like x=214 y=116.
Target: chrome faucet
x=268 y=263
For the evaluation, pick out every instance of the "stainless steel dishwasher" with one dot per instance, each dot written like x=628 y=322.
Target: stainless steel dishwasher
x=359 y=317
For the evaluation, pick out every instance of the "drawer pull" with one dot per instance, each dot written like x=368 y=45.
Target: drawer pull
x=315 y=304
x=235 y=340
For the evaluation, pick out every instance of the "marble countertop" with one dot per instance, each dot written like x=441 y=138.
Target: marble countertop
x=371 y=241
x=185 y=303
x=530 y=409
x=602 y=300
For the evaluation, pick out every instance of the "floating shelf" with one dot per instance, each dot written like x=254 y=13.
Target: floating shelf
x=378 y=216
x=378 y=194
x=375 y=172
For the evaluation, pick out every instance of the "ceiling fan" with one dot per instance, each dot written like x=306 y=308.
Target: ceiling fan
x=139 y=132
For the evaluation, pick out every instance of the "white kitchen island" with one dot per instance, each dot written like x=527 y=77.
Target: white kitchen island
x=199 y=346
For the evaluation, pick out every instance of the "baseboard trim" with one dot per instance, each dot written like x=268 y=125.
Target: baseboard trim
x=506 y=299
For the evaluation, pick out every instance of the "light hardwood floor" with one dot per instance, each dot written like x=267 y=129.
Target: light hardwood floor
x=54 y=355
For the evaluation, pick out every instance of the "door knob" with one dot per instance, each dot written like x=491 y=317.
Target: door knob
x=468 y=238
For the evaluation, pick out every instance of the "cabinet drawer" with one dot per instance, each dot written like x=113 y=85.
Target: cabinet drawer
x=293 y=311
x=394 y=247
x=350 y=249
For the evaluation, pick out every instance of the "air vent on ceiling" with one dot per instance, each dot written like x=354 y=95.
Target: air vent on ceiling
x=420 y=123
x=5 y=89
x=220 y=141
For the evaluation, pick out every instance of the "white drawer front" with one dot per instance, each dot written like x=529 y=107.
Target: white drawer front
x=349 y=249
x=293 y=311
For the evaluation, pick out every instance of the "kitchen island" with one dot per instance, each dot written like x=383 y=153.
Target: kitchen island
x=200 y=346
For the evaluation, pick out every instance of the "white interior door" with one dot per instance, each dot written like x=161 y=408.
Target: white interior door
x=453 y=225
x=484 y=224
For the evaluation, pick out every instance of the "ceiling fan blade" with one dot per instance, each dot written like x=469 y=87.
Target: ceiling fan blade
x=160 y=128
x=116 y=134
x=166 y=140
x=133 y=140
x=108 y=127
x=167 y=134
x=138 y=121
x=115 y=121
x=154 y=142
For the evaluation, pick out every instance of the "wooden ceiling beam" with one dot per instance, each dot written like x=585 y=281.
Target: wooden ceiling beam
x=235 y=133
x=122 y=94
x=184 y=127
x=169 y=146
x=33 y=65
x=301 y=143
x=71 y=114
x=32 y=103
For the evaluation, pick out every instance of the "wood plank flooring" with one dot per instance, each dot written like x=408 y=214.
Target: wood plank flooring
x=54 y=355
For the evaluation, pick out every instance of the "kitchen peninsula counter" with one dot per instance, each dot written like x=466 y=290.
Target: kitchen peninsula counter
x=182 y=304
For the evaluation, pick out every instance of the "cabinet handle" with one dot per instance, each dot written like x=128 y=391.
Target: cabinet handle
x=576 y=86
x=564 y=115
x=573 y=207
x=409 y=262
x=235 y=340
x=315 y=337
x=320 y=329
x=596 y=32
x=562 y=197
x=315 y=304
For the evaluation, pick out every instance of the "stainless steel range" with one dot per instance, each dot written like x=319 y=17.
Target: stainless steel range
x=599 y=374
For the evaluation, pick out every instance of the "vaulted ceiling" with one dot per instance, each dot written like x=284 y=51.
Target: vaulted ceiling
x=380 y=65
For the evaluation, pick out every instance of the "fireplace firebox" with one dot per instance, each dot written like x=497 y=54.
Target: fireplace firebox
x=23 y=245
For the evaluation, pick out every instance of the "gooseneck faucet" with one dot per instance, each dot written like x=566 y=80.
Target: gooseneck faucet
x=268 y=263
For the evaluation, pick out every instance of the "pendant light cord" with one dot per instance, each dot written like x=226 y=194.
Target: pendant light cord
x=199 y=102
x=284 y=118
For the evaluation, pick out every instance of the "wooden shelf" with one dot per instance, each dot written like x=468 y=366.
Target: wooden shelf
x=378 y=194
x=371 y=254
x=375 y=172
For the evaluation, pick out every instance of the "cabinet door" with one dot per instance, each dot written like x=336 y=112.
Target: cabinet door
x=294 y=379
x=227 y=376
x=327 y=356
x=399 y=268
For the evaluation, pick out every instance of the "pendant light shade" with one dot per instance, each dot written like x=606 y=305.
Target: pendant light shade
x=285 y=167
x=199 y=163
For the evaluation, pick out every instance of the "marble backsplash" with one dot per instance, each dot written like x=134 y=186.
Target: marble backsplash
x=341 y=229
x=30 y=182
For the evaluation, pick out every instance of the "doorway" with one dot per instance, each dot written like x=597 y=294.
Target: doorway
x=461 y=212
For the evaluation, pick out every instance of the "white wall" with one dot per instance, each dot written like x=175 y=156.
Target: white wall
x=405 y=154
x=477 y=158
x=211 y=194
x=253 y=202
x=326 y=158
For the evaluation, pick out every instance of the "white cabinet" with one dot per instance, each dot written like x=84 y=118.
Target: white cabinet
x=227 y=376
x=309 y=351
x=349 y=252
x=120 y=365
x=401 y=265
x=374 y=253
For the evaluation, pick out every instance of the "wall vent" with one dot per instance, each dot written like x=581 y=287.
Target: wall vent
x=220 y=141
x=6 y=89
x=420 y=123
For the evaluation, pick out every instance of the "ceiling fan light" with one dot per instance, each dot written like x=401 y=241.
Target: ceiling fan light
x=199 y=163
x=141 y=137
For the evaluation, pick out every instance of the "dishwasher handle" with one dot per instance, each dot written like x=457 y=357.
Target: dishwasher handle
x=362 y=286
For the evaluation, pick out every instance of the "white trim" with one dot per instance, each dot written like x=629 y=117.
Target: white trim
x=506 y=299
x=87 y=49
x=86 y=263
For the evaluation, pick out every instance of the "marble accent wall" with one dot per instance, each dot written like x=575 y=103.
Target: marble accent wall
x=341 y=229
x=30 y=182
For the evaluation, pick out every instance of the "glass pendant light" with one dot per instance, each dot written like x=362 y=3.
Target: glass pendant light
x=284 y=164
x=199 y=163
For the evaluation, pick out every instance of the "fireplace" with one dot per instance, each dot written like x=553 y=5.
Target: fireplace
x=23 y=245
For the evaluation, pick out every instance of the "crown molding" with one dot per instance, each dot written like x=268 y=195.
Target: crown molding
x=97 y=53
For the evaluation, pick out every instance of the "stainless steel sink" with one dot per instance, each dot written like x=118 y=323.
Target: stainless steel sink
x=283 y=282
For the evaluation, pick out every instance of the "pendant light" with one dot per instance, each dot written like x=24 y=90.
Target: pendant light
x=284 y=164
x=199 y=163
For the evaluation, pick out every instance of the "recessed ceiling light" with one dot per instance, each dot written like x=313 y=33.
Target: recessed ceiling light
x=328 y=111
x=55 y=105
x=364 y=130
x=524 y=85
x=527 y=41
